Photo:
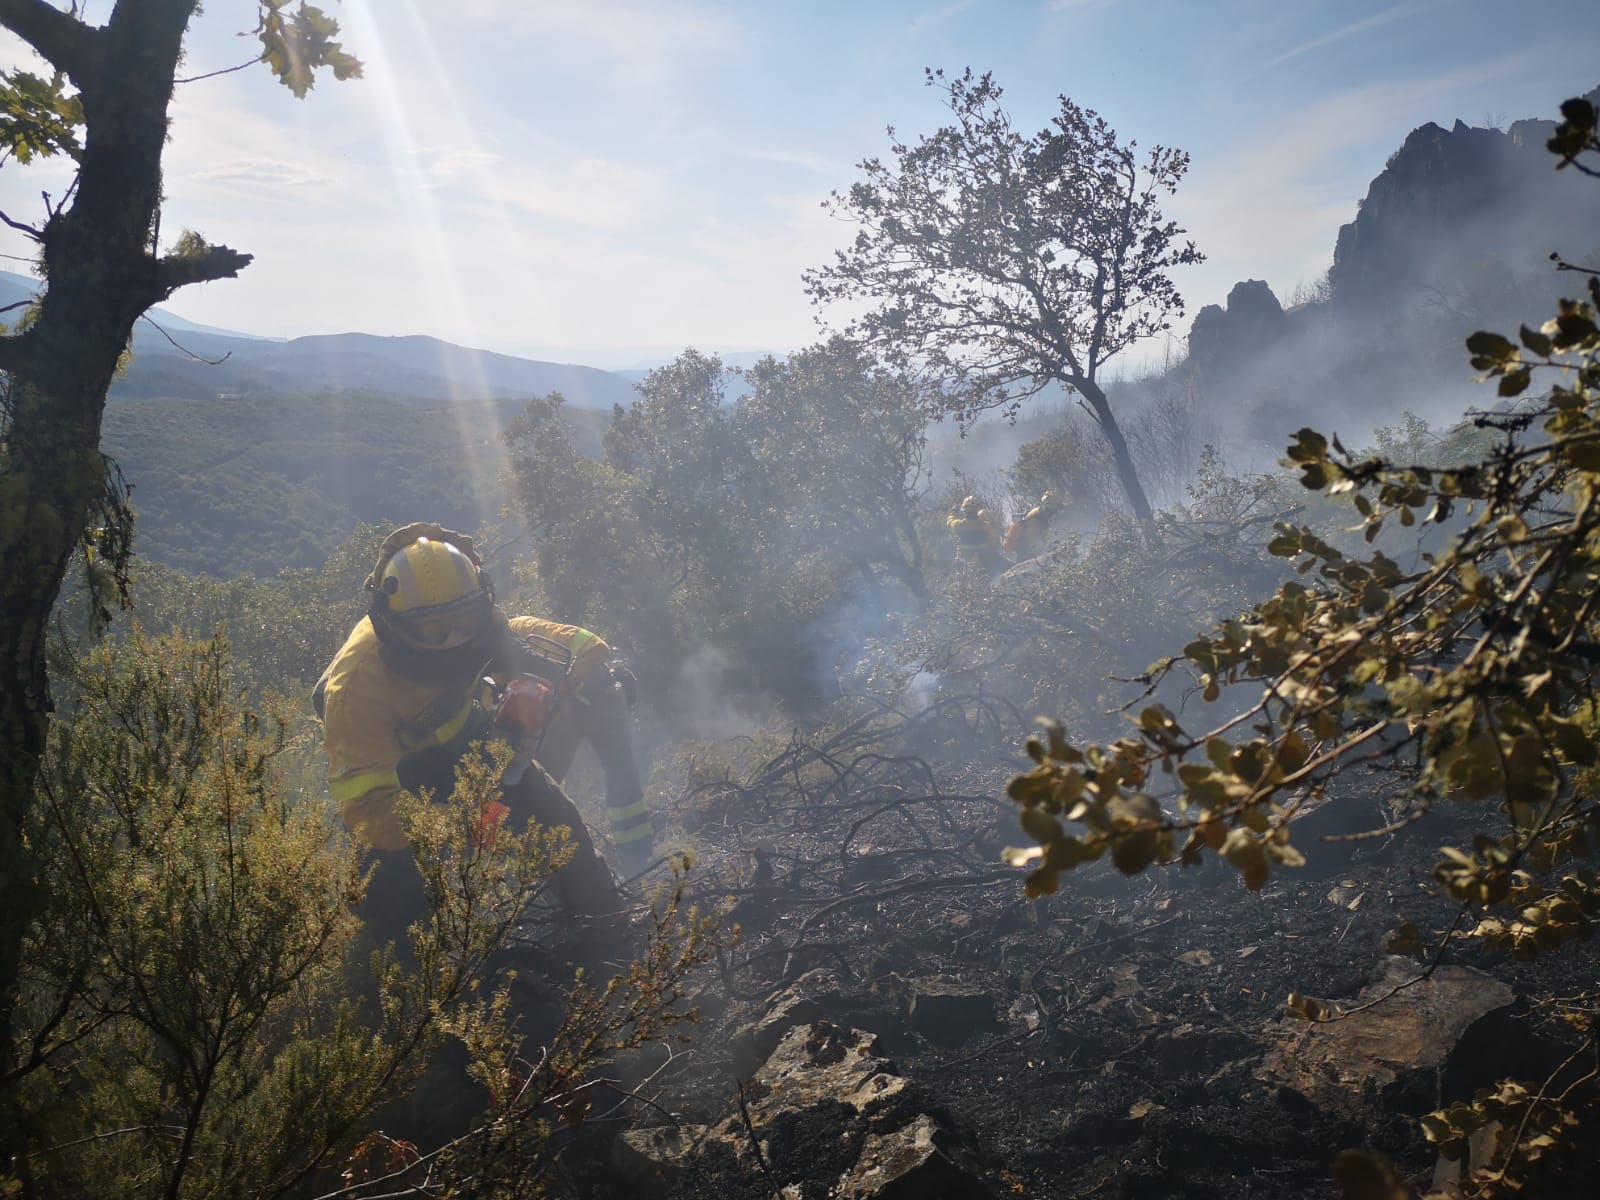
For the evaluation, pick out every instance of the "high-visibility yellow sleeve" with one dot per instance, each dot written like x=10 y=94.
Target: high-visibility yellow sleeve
x=585 y=649
x=373 y=818
x=347 y=788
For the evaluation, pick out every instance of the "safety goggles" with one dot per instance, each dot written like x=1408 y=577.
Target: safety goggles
x=447 y=626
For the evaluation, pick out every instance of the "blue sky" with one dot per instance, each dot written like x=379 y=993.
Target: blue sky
x=608 y=181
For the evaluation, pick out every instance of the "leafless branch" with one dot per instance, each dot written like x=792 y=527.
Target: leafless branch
x=750 y=1131
x=20 y=227
x=210 y=362
x=244 y=66
x=218 y=262
x=1341 y=1013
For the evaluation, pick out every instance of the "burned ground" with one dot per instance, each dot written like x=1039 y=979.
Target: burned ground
x=1126 y=1037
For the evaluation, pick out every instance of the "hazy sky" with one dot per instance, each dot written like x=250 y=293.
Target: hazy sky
x=608 y=181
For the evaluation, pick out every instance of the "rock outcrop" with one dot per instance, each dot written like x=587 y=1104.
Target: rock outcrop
x=826 y=1115
x=1355 y=1065
x=1252 y=323
x=1454 y=204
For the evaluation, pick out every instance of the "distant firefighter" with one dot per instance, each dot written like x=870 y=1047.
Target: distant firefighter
x=1029 y=535
x=977 y=536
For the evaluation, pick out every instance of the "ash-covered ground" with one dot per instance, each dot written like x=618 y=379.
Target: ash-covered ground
x=1124 y=1038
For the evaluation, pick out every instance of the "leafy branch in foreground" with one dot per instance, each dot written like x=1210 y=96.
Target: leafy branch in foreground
x=1478 y=663
x=1482 y=658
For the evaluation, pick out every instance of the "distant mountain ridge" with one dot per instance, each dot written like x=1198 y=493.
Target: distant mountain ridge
x=17 y=290
x=415 y=367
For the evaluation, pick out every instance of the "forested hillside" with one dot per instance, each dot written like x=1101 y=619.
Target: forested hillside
x=264 y=482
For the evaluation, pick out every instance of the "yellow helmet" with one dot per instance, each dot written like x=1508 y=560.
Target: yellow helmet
x=434 y=596
x=1049 y=500
x=969 y=506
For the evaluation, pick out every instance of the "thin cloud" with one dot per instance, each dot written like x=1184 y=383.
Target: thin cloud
x=642 y=39
x=1398 y=12
x=457 y=160
x=589 y=193
x=792 y=158
x=265 y=172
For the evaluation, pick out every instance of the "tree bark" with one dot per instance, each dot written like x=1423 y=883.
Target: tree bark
x=101 y=275
x=1127 y=473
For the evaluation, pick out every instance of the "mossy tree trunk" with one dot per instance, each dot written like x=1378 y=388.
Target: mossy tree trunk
x=102 y=273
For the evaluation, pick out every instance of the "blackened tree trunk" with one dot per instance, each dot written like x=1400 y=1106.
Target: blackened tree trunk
x=1127 y=472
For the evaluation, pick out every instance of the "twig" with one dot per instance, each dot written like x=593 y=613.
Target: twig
x=244 y=66
x=1367 y=835
x=1444 y=944
x=1111 y=941
x=1021 y=1036
x=1515 y=1144
x=855 y=898
x=167 y=1131
x=210 y=362
x=761 y=1158
x=22 y=227
x=671 y=1058
x=623 y=1092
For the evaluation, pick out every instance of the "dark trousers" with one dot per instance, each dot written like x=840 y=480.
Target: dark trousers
x=394 y=900
x=445 y=1102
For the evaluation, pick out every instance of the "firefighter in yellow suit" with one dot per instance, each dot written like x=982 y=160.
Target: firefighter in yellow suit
x=1029 y=535
x=977 y=537
x=399 y=709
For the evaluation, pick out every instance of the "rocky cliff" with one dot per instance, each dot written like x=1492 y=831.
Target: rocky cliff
x=1451 y=203
x=1454 y=234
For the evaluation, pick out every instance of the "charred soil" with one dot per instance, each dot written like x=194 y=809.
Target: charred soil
x=1124 y=1038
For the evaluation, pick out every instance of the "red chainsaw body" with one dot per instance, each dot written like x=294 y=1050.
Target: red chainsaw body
x=525 y=706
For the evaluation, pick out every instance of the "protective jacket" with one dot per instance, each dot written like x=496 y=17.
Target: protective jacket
x=384 y=731
x=975 y=533
x=1029 y=536
x=977 y=539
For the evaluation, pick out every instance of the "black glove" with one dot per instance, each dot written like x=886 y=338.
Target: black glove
x=622 y=675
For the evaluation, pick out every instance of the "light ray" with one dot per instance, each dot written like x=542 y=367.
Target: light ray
x=443 y=297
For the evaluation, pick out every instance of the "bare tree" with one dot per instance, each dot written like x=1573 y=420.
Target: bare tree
x=1008 y=265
